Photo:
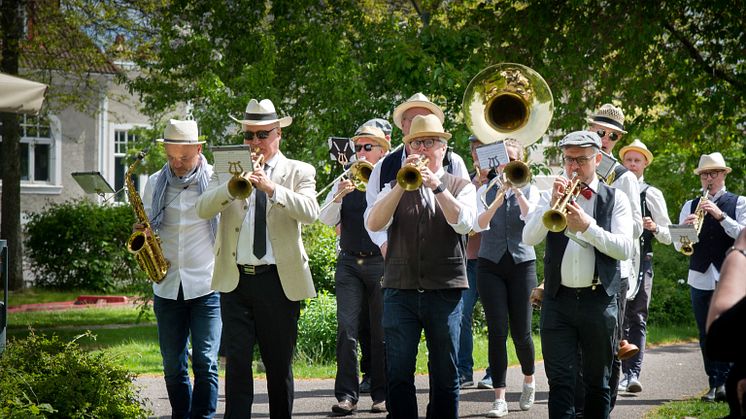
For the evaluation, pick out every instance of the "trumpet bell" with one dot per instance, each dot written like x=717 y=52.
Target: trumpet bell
x=409 y=178
x=240 y=187
x=554 y=220
x=508 y=100
x=517 y=173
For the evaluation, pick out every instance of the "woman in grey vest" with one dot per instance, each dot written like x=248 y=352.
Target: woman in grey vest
x=506 y=273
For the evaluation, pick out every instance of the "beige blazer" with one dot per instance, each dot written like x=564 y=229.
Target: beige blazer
x=294 y=203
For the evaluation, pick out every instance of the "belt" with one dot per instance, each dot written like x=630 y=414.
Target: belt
x=360 y=254
x=255 y=269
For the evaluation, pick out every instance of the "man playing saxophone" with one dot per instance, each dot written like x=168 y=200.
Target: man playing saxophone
x=184 y=304
x=722 y=216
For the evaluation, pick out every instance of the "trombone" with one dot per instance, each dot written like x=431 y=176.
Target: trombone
x=515 y=173
x=239 y=185
x=359 y=173
x=555 y=218
x=409 y=177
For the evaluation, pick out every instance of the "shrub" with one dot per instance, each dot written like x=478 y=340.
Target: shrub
x=320 y=241
x=317 y=329
x=670 y=303
x=80 y=244
x=44 y=377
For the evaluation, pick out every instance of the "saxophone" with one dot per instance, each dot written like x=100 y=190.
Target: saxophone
x=145 y=247
x=687 y=247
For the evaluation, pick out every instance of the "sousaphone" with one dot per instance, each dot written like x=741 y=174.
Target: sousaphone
x=508 y=100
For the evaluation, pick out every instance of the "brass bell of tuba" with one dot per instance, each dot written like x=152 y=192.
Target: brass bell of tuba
x=508 y=100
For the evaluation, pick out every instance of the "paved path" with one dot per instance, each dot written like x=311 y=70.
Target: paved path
x=670 y=373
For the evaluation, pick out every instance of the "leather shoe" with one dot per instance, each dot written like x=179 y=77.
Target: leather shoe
x=379 y=407
x=720 y=393
x=365 y=384
x=709 y=396
x=344 y=407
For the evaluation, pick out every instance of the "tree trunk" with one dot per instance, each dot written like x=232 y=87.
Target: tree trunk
x=11 y=19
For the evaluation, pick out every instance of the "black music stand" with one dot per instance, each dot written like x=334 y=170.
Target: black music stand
x=4 y=302
x=93 y=182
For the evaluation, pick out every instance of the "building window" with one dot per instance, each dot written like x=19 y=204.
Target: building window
x=38 y=156
x=123 y=140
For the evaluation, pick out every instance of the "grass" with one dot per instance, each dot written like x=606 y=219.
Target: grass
x=88 y=316
x=33 y=295
x=689 y=409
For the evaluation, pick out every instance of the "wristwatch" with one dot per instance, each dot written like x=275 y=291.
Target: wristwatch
x=438 y=189
x=722 y=217
x=732 y=248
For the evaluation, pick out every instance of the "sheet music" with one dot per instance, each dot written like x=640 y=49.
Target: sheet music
x=492 y=155
x=224 y=155
x=684 y=232
x=606 y=166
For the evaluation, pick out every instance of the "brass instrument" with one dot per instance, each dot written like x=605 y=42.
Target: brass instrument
x=239 y=186
x=359 y=173
x=555 y=218
x=508 y=100
x=515 y=173
x=409 y=177
x=145 y=247
x=687 y=247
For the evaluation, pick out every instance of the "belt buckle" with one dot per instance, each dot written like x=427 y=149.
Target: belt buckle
x=249 y=269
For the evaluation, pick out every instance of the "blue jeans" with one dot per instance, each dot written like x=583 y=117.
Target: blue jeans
x=466 y=341
x=717 y=371
x=405 y=314
x=177 y=319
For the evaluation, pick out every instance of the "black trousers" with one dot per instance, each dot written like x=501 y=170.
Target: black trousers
x=258 y=312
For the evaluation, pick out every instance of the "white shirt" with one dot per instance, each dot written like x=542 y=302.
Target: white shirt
x=578 y=263
x=656 y=204
x=708 y=279
x=628 y=184
x=245 y=249
x=466 y=197
x=531 y=193
x=330 y=215
x=186 y=241
x=374 y=188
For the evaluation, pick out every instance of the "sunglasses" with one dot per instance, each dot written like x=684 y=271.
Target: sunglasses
x=613 y=136
x=366 y=147
x=261 y=135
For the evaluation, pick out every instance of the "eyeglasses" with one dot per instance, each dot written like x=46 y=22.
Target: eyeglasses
x=366 y=147
x=261 y=135
x=428 y=143
x=710 y=175
x=613 y=136
x=578 y=160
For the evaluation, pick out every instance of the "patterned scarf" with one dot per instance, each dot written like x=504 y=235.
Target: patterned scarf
x=166 y=178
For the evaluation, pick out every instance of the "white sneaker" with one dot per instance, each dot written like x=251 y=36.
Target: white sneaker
x=623 y=383
x=527 y=396
x=499 y=409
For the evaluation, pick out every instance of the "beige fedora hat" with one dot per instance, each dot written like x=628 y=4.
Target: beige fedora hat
x=262 y=113
x=639 y=147
x=373 y=133
x=426 y=126
x=714 y=161
x=609 y=116
x=180 y=132
x=418 y=100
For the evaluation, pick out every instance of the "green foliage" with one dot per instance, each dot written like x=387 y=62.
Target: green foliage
x=45 y=377
x=320 y=242
x=317 y=329
x=691 y=408
x=80 y=244
x=670 y=303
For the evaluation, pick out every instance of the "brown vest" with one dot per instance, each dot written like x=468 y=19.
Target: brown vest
x=424 y=252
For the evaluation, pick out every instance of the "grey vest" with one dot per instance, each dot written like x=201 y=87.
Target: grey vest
x=506 y=230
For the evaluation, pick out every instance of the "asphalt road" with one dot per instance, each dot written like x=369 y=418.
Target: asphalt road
x=672 y=372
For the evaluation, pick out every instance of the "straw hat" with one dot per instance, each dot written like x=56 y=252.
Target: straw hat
x=714 y=161
x=373 y=133
x=426 y=126
x=262 y=113
x=609 y=116
x=180 y=132
x=418 y=100
x=639 y=147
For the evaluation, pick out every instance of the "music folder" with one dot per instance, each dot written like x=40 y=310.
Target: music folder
x=92 y=182
x=226 y=155
x=680 y=233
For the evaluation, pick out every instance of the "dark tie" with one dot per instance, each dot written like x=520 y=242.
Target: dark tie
x=260 y=224
x=587 y=192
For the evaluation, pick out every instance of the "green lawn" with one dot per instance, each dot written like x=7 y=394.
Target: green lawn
x=33 y=295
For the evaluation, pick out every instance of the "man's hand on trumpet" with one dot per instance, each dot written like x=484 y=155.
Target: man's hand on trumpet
x=261 y=181
x=344 y=187
x=559 y=187
x=577 y=219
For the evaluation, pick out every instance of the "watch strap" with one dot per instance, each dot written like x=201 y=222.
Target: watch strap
x=438 y=189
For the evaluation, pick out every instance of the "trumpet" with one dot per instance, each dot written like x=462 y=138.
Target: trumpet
x=515 y=173
x=359 y=173
x=555 y=218
x=239 y=185
x=409 y=177
x=687 y=247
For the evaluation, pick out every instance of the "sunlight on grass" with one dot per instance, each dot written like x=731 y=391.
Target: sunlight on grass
x=33 y=295
x=87 y=316
x=689 y=408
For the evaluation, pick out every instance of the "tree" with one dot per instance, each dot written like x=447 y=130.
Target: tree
x=10 y=147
